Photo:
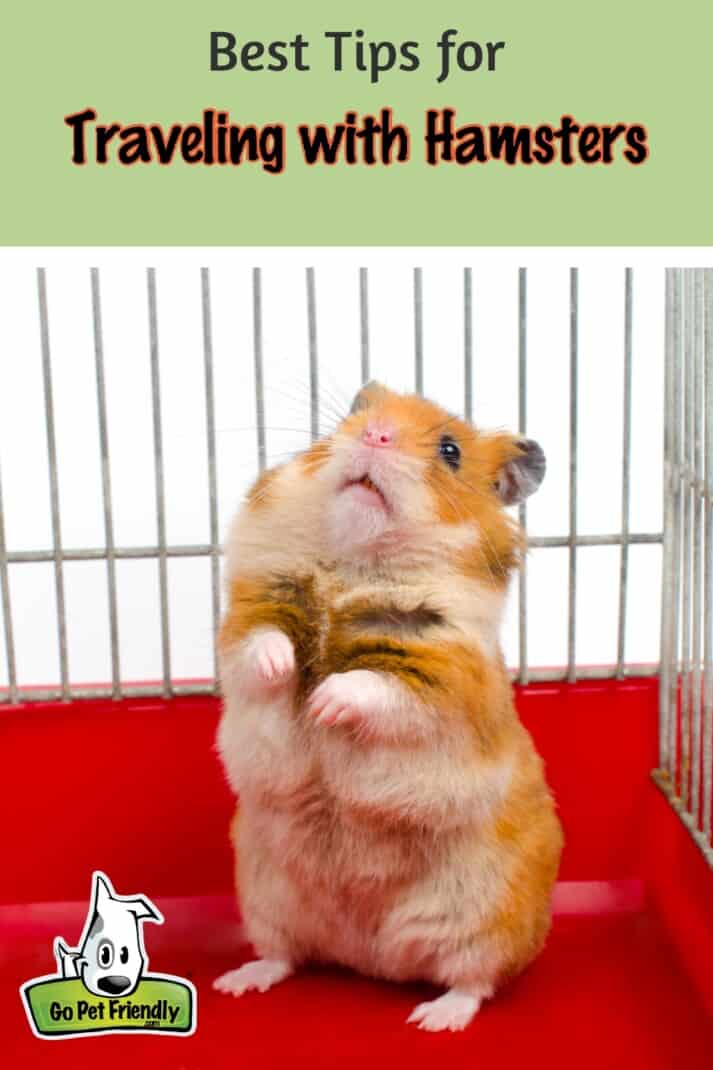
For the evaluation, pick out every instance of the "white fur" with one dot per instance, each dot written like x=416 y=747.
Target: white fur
x=269 y=658
x=454 y=1010
x=350 y=528
x=258 y=737
x=431 y=785
x=261 y=975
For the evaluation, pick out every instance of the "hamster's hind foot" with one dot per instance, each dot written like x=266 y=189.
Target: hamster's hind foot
x=260 y=975
x=454 y=1010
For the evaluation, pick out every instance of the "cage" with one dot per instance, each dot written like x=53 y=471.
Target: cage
x=108 y=702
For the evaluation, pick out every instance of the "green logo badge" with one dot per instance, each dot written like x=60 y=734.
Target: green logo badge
x=101 y=986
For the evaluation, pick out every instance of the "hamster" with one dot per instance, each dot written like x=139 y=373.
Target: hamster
x=393 y=813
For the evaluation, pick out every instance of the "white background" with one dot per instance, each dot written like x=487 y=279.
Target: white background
x=23 y=444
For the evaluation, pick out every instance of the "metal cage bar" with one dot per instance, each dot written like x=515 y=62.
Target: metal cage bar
x=667 y=607
x=468 y=343
x=523 y=675
x=707 y=742
x=160 y=483
x=313 y=358
x=258 y=371
x=697 y=603
x=12 y=691
x=697 y=483
x=418 y=329
x=687 y=551
x=54 y=484
x=573 y=428
x=211 y=457
x=364 y=324
x=626 y=474
x=106 y=484
x=673 y=576
x=685 y=772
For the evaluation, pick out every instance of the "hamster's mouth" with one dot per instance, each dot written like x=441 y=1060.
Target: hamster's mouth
x=366 y=491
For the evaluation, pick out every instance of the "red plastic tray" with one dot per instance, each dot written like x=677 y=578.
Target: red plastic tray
x=134 y=788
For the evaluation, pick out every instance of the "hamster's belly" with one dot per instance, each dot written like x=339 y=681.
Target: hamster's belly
x=354 y=833
x=345 y=875
x=435 y=785
x=389 y=902
x=379 y=779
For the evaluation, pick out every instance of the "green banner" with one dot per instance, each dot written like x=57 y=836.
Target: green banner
x=66 y=1007
x=449 y=124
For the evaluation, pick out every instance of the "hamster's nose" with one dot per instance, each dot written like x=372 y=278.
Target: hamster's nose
x=378 y=435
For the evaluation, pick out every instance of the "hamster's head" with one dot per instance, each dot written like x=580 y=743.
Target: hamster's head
x=112 y=953
x=400 y=473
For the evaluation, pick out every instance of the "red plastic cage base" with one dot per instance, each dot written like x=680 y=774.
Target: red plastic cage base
x=626 y=979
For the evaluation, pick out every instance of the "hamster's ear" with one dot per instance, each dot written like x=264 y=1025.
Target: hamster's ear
x=521 y=476
x=368 y=394
x=144 y=910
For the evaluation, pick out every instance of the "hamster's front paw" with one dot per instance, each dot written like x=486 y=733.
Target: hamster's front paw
x=270 y=657
x=358 y=698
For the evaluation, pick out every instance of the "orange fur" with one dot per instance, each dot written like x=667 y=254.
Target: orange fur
x=263 y=488
x=528 y=839
x=479 y=691
x=313 y=458
x=285 y=603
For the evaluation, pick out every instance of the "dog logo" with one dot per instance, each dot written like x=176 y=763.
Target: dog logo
x=101 y=985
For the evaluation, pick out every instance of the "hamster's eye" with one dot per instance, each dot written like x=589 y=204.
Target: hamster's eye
x=450 y=452
x=105 y=954
x=124 y=956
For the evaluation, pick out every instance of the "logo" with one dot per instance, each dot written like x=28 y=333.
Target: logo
x=101 y=986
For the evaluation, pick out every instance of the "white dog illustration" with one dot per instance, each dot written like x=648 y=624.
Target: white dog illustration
x=111 y=956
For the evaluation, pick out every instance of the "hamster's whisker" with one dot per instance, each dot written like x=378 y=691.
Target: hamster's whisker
x=437 y=427
x=336 y=405
x=453 y=502
x=326 y=395
x=471 y=434
x=494 y=555
x=282 y=392
x=268 y=427
x=459 y=439
x=327 y=402
x=335 y=388
x=461 y=516
x=273 y=460
x=313 y=660
x=476 y=490
x=486 y=562
x=304 y=402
